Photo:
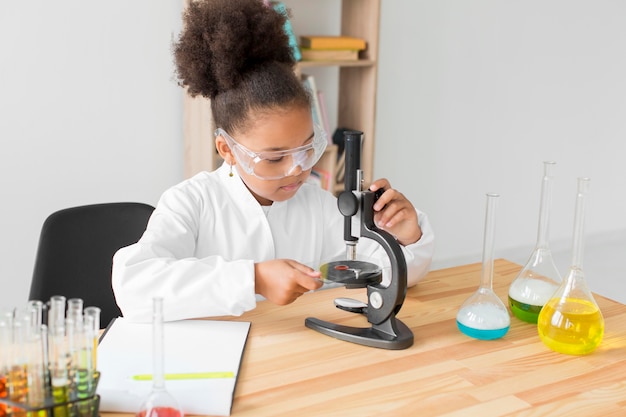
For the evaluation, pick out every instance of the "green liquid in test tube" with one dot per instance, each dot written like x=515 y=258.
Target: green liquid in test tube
x=59 y=377
x=83 y=365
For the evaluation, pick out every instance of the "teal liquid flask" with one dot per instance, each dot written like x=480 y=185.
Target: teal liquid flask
x=539 y=278
x=483 y=315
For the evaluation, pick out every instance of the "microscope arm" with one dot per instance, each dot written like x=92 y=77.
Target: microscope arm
x=392 y=296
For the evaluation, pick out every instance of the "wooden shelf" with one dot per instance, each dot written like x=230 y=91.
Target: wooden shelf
x=356 y=101
x=359 y=63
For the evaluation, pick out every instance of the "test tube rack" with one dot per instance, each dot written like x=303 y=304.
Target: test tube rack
x=78 y=405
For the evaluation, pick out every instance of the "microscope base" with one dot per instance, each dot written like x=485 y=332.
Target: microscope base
x=391 y=334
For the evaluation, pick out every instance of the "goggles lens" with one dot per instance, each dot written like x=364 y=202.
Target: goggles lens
x=277 y=164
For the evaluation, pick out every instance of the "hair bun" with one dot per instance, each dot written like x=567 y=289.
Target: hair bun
x=223 y=40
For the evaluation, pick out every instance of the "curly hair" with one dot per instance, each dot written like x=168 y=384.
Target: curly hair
x=236 y=53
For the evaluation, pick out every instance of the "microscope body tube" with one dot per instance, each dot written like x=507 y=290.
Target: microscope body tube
x=347 y=202
x=352 y=151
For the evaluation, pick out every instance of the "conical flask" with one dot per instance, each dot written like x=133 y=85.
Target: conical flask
x=159 y=403
x=539 y=278
x=571 y=321
x=483 y=315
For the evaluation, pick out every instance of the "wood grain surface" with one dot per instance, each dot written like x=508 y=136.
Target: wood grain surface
x=290 y=370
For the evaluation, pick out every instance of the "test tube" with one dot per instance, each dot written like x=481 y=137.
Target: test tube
x=75 y=311
x=45 y=346
x=34 y=354
x=95 y=313
x=70 y=331
x=56 y=315
x=6 y=335
x=59 y=361
x=35 y=307
x=35 y=370
x=82 y=361
x=82 y=364
x=18 y=378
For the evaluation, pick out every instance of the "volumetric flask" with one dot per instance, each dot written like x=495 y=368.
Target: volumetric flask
x=160 y=403
x=483 y=315
x=539 y=278
x=571 y=321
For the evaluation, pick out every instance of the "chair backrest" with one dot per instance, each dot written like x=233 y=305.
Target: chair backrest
x=76 y=248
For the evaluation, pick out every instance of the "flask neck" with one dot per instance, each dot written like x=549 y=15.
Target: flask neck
x=545 y=204
x=579 y=220
x=488 y=244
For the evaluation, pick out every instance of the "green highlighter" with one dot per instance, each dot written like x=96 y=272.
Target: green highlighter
x=189 y=375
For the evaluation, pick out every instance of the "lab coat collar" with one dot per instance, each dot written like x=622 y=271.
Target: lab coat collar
x=235 y=185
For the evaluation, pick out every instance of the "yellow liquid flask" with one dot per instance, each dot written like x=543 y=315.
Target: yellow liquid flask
x=539 y=278
x=571 y=321
x=483 y=315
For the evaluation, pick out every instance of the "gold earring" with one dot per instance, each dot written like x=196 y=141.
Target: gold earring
x=230 y=174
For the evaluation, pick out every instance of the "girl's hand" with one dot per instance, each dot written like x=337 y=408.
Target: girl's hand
x=282 y=281
x=395 y=214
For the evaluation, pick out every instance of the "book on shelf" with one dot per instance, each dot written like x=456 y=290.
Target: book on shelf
x=332 y=42
x=314 y=179
x=340 y=169
x=321 y=98
x=279 y=6
x=338 y=139
x=322 y=177
x=309 y=54
x=316 y=112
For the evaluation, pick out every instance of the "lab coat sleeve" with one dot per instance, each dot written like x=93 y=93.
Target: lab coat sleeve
x=163 y=264
x=418 y=255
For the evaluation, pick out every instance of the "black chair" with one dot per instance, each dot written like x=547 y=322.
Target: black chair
x=76 y=247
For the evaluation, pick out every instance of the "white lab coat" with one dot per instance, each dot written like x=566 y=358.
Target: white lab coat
x=201 y=243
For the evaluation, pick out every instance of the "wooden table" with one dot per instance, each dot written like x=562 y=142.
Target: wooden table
x=290 y=370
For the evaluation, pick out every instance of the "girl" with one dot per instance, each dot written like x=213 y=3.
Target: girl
x=253 y=226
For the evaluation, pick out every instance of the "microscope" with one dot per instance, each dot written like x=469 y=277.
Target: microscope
x=383 y=302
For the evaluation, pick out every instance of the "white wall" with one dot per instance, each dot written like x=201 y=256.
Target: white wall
x=472 y=97
x=88 y=113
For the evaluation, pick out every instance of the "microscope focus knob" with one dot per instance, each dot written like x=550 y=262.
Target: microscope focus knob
x=376 y=300
x=348 y=203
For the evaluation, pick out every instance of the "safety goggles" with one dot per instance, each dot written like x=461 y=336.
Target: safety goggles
x=274 y=165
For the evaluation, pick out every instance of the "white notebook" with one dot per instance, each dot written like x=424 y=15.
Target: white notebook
x=192 y=348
